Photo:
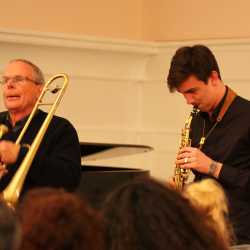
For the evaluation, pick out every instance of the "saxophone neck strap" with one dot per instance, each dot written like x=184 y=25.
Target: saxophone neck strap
x=228 y=101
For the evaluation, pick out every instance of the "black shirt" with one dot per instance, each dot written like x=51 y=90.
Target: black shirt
x=229 y=143
x=57 y=162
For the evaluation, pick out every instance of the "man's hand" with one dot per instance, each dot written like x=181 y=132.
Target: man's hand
x=193 y=158
x=3 y=170
x=8 y=152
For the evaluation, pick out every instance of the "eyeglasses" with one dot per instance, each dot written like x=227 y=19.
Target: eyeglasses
x=16 y=80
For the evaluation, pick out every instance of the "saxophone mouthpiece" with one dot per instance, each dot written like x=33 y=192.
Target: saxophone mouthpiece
x=195 y=110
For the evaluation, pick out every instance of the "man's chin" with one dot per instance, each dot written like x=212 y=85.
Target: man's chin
x=202 y=109
x=12 y=108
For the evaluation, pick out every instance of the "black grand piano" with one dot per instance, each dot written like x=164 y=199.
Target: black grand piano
x=98 y=181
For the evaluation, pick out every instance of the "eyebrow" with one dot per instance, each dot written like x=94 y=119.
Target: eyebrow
x=12 y=76
x=21 y=76
x=191 y=90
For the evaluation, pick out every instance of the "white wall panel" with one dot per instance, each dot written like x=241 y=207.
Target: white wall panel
x=118 y=91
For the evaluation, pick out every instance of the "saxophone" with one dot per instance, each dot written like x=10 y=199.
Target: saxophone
x=181 y=175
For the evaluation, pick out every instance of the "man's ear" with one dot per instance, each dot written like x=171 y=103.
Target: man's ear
x=39 y=89
x=214 y=76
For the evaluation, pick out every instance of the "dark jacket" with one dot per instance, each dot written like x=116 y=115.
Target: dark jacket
x=57 y=162
x=229 y=143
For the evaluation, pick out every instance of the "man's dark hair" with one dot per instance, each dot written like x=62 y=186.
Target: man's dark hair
x=197 y=60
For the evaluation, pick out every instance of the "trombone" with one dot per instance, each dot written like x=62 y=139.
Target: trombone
x=12 y=192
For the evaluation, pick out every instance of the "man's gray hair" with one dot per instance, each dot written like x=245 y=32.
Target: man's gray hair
x=37 y=73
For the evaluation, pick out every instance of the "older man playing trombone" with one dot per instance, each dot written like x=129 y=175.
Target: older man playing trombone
x=57 y=160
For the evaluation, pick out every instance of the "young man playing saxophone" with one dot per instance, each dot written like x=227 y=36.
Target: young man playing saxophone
x=220 y=132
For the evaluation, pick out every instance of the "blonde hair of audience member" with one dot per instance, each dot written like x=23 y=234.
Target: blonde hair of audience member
x=209 y=196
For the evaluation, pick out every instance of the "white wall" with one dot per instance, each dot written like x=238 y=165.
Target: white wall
x=117 y=91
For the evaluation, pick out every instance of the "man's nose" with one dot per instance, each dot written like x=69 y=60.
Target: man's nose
x=9 y=84
x=189 y=99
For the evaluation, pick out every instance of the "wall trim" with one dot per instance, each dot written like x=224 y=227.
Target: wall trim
x=77 y=41
x=101 y=43
x=210 y=42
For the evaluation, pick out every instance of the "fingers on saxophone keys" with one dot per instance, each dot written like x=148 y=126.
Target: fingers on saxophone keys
x=183 y=157
x=181 y=161
x=185 y=162
x=186 y=150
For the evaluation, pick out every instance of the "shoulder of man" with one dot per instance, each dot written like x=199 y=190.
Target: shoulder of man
x=242 y=103
x=57 y=121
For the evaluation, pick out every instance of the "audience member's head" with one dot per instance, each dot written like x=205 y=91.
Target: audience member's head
x=208 y=196
x=57 y=220
x=10 y=230
x=145 y=214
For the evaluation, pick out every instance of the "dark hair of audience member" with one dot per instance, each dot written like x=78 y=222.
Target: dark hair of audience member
x=57 y=220
x=10 y=230
x=145 y=215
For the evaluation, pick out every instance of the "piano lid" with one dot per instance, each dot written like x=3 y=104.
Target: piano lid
x=96 y=151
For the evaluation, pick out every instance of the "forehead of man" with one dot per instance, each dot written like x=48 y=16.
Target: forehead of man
x=18 y=68
x=191 y=84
